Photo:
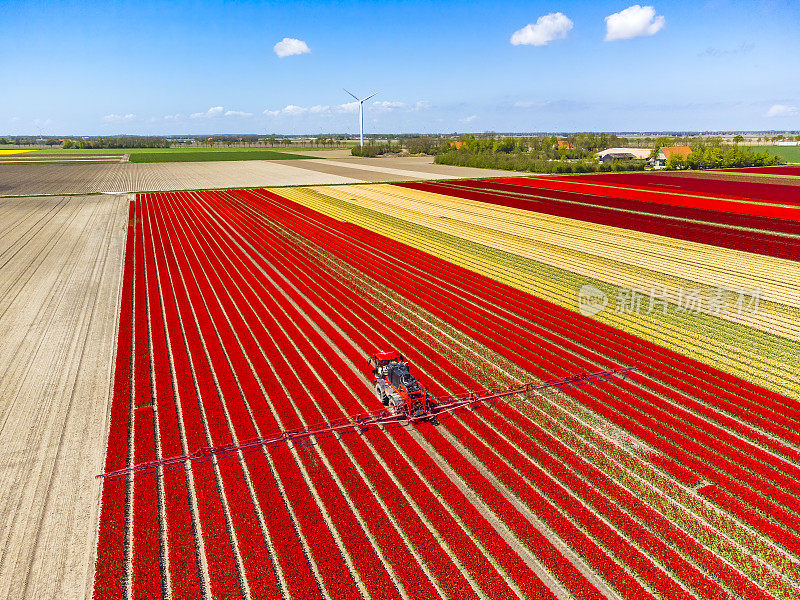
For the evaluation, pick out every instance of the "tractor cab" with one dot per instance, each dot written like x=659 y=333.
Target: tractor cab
x=396 y=388
x=380 y=361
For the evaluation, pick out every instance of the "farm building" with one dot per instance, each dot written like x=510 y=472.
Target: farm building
x=623 y=154
x=667 y=151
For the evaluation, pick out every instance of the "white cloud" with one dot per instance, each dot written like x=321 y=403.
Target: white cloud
x=113 y=118
x=214 y=111
x=782 y=110
x=174 y=117
x=237 y=113
x=469 y=119
x=635 y=21
x=388 y=105
x=291 y=47
x=554 y=26
x=347 y=107
x=293 y=110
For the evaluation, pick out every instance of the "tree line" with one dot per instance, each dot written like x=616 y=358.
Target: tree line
x=117 y=142
x=722 y=156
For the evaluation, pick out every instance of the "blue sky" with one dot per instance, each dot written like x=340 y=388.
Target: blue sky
x=210 y=67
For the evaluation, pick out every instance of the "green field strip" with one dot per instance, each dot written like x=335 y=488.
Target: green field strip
x=202 y=156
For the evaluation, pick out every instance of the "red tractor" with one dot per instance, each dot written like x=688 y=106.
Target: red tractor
x=398 y=389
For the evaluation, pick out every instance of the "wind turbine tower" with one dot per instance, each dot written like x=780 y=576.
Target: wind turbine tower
x=361 y=114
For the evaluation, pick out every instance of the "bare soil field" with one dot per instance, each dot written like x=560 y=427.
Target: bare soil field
x=45 y=179
x=51 y=179
x=60 y=275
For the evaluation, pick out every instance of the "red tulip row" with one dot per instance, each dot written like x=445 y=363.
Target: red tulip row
x=311 y=522
x=786 y=538
x=793 y=171
x=714 y=210
x=146 y=556
x=760 y=242
x=462 y=508
x=306 y=229
x=679 y=472
x=227 y=334
x=718 y=188
x=648 y=569
x=200 y=408
x=202 y=336
x=375 y=326
x=109 y=565
x=474 y=564
x=752 y=478
x=184 y=582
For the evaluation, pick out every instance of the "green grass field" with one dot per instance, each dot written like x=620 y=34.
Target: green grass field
x=790 y=154
x=206 y=155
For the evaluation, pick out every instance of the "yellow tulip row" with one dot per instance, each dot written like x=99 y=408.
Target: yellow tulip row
x=743 y=351
x=628 y=259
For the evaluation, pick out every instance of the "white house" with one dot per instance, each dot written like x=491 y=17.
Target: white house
x=623 y=154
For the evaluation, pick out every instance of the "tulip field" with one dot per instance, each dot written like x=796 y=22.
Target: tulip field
x=250 y=312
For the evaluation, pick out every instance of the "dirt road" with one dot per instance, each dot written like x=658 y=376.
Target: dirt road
x=60 y=276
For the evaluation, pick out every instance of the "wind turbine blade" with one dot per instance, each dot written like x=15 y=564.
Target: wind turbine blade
x=368 y=97
x=353 y=95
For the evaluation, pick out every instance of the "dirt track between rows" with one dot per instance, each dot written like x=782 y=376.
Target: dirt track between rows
x=60 y=275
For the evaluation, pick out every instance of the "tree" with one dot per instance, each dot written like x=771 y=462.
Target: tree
x=738 y=139
x=675 y=161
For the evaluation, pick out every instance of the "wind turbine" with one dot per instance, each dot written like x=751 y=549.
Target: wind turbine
x=361 y=114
